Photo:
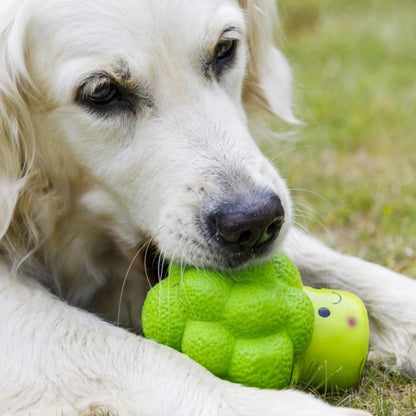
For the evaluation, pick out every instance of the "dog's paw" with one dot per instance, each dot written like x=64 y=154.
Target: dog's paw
x=242 y=401
x=393 y=324
x=396 y=351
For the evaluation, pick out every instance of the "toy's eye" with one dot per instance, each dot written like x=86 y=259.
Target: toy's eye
x=324 y=312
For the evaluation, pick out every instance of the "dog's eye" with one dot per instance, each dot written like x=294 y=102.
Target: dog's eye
x=224 y=53
x=102 y=94
x=225 y=49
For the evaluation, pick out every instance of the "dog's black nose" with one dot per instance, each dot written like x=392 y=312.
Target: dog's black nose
x=248 y=222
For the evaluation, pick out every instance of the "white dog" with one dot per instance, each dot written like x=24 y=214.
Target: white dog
x=124 y=134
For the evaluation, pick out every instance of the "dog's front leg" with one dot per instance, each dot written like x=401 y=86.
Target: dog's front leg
x=58 y=360
x=390 y=298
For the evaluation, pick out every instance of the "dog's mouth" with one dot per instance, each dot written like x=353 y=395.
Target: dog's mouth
x=156 y=267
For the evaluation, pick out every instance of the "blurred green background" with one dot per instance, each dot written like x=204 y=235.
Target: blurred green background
x=352 y=166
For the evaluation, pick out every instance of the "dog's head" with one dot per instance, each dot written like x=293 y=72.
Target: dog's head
x=138 y=111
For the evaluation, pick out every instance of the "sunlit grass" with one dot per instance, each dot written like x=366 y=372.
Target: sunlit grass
x=353 y=168
x=355 y=86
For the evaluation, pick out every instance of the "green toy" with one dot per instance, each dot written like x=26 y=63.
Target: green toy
x=259 y=326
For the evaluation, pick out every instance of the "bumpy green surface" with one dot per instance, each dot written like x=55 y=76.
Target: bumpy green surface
x=248 y=327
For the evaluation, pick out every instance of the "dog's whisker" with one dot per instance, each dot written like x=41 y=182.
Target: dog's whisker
x=162 y=263
x=304 y=206
x=309 y=218
x=292 y=147
x=123 y=285
x=316 y=194
x=161 y=266
x=182 y=268
x=302 y=227
x=309 y=214
x=145 y=246
x=146 y=252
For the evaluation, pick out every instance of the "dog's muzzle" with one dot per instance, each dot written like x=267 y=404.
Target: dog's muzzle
x=237 y=231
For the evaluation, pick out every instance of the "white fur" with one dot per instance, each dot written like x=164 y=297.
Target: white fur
x=83 y=194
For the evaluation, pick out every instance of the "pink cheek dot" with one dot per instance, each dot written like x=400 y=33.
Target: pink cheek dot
x=352 y=322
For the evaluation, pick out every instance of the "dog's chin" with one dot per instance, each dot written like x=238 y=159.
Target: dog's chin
x=157 y=266
x=229 y=261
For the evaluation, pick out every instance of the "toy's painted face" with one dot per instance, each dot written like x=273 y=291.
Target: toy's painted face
x=331 y=305
x=339 y=346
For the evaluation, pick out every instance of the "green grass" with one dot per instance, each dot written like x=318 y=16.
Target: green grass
x=355 y=86
x=381 y=392
x=352 y=170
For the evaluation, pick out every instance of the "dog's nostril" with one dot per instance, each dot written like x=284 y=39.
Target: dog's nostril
x=274 y=227
x=271 y=231
x=245 y=238
x=248 y=222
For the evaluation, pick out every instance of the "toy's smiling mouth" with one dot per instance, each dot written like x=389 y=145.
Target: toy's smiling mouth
x=156 y=267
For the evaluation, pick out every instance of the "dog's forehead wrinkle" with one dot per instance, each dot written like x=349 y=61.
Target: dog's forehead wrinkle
x=99 y=25
x=144 y=20
x=121 y=69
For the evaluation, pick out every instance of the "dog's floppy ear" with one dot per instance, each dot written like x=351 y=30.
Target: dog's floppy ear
x=16 y=144
x=269 y=78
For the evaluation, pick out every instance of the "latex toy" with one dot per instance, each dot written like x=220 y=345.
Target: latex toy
x=259 y=326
